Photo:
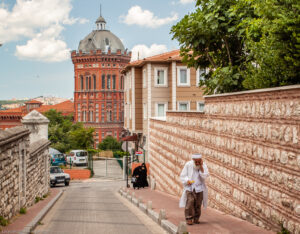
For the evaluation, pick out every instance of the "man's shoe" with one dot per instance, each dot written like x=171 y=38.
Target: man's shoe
x=189 y=222
x=196 y=221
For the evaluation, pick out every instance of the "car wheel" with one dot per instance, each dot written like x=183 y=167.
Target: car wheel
x=67 y=183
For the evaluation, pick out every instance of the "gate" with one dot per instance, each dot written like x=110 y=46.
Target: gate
x=109 y=168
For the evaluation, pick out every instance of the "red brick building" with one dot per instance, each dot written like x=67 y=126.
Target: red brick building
x=99 y=85
x=12 y=117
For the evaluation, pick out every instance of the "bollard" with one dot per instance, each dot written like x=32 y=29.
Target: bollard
x=149 y=205
x=182 y=228
x=162 y=214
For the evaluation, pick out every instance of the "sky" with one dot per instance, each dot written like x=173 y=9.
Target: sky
x=38 y=35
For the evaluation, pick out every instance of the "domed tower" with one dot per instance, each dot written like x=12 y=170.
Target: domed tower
x=99 y=85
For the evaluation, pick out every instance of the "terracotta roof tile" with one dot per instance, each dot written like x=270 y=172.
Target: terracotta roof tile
x=165 y=57
x=66 y=107
x=33 y=102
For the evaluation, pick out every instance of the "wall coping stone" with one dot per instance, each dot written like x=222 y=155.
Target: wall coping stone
x=35 y=117
x=38 y=146
x=12 y=134
x=289 y=87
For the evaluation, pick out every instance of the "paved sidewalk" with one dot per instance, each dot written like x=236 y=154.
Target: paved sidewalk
x=19 y=222
x=211 y=221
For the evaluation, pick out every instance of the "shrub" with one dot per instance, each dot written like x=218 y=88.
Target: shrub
x=23 y=210
x=3 y=222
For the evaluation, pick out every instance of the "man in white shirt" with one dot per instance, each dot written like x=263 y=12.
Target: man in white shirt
x=194 y=194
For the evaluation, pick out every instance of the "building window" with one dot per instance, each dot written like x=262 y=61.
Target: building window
x=94 y=82
x=114 y=81
x=108 y=81
x=81 y=82
x=160 y=110
x=145 y=110
x=84 y=116
x=183 y=106
x=200 y=106
x=122 y=82
x=90 y=83
x=91 y=119
x=161 y=77
x=183 y=76
x=102 y=134
x=86 y=82
x=78 y=117
x=103 y=81
x=144 y=79
x=108 y=117
x=200 y=75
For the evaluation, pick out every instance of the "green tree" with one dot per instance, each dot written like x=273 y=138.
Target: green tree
x=110 y=143
x=81 y=138
x=65 y=135
x=245 y=44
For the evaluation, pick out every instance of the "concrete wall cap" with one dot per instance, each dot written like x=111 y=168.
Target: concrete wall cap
x=34 y=117
x=253 y=91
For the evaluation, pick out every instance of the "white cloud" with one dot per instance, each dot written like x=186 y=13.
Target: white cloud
x=39 y=21
x=143 y=51
x=45 y=47
x=186 y=1
x=136 y=15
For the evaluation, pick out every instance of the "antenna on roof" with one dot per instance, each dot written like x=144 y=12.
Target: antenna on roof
x=100 y=10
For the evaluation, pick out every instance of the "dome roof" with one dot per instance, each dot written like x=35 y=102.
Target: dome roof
x=100 y=20
x=101 y=40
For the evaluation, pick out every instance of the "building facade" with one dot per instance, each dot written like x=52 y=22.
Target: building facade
x=12 y=117
x=99 y=85
x=154 y=86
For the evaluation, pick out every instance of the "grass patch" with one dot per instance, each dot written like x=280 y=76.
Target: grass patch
x=3 y=222
x=37 y=199
x=23 y=210
x=283 y=230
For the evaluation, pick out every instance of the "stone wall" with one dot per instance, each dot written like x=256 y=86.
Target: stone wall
x=250 y=142
x=24 y=170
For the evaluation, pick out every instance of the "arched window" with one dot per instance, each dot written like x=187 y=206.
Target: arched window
x=108 y=82
x=108 y=117
x=94 y=82
x=103 y=81
x=90 y=83
x=122 y=82
x=114 y=81
x=81 y=82
x=86 y=82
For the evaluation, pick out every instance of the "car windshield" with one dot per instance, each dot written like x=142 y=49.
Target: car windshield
x=55 y=170
x=82 y=153
x=60 y=156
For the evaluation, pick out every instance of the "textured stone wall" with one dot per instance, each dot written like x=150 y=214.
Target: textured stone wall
x=24 y=170
x=250 y=142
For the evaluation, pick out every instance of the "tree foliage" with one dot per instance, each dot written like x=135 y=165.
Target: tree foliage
x=110 y=143
x=66 y=135
x=246 y=44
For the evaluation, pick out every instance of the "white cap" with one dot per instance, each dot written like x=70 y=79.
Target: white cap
x=196 y=156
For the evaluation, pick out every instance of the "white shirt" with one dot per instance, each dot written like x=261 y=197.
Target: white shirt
x=186 y=175
x=197 y=185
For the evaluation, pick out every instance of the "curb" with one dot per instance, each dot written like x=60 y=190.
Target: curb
x=29 y=227
x=159 y=218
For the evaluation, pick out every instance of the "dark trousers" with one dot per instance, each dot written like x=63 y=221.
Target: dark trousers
x=193 y=205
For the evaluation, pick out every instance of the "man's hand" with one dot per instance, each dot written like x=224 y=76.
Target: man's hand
x=190 y=182
x=201 y=169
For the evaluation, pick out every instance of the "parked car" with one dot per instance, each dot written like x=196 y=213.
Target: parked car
x=78 y=157
x=57 y=176
x=57 y=158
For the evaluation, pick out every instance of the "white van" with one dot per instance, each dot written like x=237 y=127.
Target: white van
x=78 y=157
